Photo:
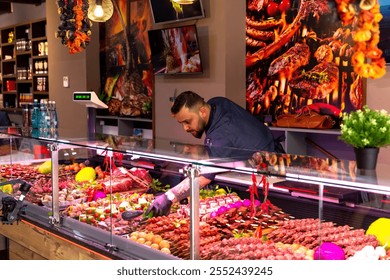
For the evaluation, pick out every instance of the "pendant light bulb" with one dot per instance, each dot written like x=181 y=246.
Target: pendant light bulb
x=98 y=12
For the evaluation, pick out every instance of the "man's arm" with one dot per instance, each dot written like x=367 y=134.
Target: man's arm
x=161 y=205
x=183 y=190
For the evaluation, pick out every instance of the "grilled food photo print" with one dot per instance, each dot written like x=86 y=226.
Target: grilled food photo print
x=305 y=52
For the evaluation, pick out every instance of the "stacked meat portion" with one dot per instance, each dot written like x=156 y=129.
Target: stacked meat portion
x=309 y=233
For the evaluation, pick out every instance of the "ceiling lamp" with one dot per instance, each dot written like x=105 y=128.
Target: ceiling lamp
x=184 y=2
x=100 y=10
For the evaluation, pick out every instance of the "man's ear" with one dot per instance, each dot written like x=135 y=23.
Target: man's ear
x=203 y=112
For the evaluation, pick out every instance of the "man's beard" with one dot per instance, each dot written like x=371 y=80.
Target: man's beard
x=198 y=133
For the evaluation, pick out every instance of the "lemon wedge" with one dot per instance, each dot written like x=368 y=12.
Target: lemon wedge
x=45 y=168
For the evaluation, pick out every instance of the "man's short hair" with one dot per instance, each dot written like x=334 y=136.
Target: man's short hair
x=187 y=99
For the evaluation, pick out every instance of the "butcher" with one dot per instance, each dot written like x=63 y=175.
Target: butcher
x=230 y=132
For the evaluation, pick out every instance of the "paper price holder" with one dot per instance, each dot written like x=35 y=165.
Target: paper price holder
x=92 y=102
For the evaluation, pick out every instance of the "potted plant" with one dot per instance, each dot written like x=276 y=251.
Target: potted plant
x=366 y=130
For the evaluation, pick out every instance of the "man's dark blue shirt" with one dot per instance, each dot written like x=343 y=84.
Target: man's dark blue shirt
x=232 y=132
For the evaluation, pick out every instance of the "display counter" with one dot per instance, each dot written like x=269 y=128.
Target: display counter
x=259 y=206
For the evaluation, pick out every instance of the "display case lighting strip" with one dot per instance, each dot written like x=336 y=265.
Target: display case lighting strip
x=154 y=156
x=338 y=183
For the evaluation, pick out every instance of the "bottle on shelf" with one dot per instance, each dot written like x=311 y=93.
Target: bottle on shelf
x=35 y=118
x=53 y=118
x=26 y=117
x=29 y=75
x=44 y=119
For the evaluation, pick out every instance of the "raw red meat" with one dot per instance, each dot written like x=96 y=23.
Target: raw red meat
x=117 y=184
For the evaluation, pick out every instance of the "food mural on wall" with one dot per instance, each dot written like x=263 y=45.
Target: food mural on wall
x=384 y=43
x=127 y=78
x=305 y=52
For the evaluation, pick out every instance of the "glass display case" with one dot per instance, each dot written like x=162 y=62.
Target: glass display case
x=259 y=205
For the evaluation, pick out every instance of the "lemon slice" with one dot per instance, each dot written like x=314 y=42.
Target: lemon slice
x=367 y=4
x=7 y=189
x=87 y=174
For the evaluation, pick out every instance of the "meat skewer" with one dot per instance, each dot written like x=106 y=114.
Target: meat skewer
x=264 y=24
x=290 y=61
x=254 y=43
x=305 y=8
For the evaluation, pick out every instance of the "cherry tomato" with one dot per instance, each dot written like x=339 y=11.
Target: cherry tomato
x=284 y=6
x=272 y=9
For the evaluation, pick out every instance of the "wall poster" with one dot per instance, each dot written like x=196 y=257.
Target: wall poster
x=384 y=43
x=127 y=77
x=298 y=53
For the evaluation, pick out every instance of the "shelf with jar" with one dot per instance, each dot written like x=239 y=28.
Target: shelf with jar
x=40 y=84
x=24 y=63
x=40 y=66
x=10 y=100
x=8 y=60
x=8 y=67
x=23 y=68
x=8 y=54
x=7 y=35
x=25 y=98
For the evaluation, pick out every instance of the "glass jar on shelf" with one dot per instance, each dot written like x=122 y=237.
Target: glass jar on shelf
x=25 y=74
x=43 y=81
x=39 y=84
x=45 y=66
x=36 y=65
x=40 y=66
x=29 y=72
x=41 y=48
x=17 y=45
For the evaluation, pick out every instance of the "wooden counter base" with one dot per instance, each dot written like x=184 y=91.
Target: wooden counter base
x=29 y=242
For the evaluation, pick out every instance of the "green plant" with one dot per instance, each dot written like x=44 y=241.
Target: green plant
x=214 y=191
x=147 y=107
x=157 y=186
x=366 y=128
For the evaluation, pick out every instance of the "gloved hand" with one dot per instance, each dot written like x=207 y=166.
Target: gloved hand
x=161 y=206
x=131 y=214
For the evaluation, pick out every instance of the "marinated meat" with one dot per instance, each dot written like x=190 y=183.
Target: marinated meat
x=324 y=53
x=117 y=185
x=318 y=82
x=114 y=106
x=290 y=61
x=306 y=8
x=267 y=24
